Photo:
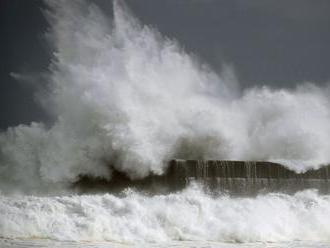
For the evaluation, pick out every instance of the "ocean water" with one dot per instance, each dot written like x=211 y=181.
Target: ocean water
x=21 y=243
x=124 y=98
x=190 y=217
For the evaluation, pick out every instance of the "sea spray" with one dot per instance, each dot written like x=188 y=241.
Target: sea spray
x=187 y=215
x=123 y=97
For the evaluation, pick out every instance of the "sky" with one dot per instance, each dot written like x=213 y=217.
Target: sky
x=278 y=43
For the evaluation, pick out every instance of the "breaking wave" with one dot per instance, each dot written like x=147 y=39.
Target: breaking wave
x=124 y=97
x=188 y=215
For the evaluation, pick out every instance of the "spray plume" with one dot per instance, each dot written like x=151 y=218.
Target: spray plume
x=124 y=97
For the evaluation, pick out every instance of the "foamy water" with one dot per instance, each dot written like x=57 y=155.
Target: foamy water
x=190 y=215
x=123 y=97
x=22 y=243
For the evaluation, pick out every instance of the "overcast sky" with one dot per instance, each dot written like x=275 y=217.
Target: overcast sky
x=279 y=43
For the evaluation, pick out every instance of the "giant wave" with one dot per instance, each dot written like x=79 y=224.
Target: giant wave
x=125 y=98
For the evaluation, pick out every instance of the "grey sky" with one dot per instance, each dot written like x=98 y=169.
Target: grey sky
x=279 y=43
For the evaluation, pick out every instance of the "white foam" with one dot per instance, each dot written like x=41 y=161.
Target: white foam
x=188 y=215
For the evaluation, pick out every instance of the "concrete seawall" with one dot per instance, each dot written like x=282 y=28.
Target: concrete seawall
x=240 y=169
x=236 y=177
x=246 y=176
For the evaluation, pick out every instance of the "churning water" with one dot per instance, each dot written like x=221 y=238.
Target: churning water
x=125 y=98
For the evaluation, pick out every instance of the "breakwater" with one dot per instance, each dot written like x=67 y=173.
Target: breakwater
x=241 y=177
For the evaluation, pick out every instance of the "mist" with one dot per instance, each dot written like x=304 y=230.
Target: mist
x=124 y=97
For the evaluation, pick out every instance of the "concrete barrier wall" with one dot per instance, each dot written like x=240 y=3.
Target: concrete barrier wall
x=245 y=177
x=237 y=177
x=240 y=169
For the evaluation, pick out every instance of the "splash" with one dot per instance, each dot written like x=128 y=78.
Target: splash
x=124 y=97
x=189 y=215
